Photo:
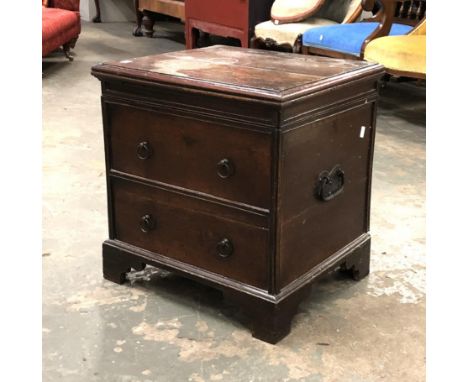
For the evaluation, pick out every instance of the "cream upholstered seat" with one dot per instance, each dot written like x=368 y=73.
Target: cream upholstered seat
x=290 y=11
x=331 y=12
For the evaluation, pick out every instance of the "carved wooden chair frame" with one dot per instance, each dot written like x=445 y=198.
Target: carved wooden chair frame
x=271 y=44
x=409 y=12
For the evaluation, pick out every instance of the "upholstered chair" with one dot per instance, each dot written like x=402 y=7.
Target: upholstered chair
x=292 y=18
x=61 y=25
x=403 y=56
x=394 y=18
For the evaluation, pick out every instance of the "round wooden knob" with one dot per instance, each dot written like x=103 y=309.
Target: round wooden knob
x=147 y=223
x=144 y=150
x=225 y=248
x=225 y=168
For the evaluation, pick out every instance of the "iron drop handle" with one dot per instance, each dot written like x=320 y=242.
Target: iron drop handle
x=225 y=168
x=144 y=150
x=225 y=248
x=330 y=184
x=147 y=223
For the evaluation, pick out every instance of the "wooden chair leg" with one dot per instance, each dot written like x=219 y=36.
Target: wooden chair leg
x=66 y=50
x=72 y=42
x=255 y=43
x=297 y=47
x=191 y=36
x=188 y=35
x=245 y=41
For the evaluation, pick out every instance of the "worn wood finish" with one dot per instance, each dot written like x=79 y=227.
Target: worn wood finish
x=259 y=75
x=273 y=223
x=234 y=18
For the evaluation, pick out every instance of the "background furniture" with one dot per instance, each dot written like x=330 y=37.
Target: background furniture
x=243 y=169
x=286 y=36
x=61 y=25
x=145 y=13
x=229 y=18
x=350 y=40
x=291 y=11
x=97 y=18
x=403 y=56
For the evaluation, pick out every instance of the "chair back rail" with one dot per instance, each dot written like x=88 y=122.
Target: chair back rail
x=410 y=12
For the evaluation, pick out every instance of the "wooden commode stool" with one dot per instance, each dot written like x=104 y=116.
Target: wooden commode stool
x=243 y=169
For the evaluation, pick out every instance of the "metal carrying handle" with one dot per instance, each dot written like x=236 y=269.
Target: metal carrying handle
x=330 y=184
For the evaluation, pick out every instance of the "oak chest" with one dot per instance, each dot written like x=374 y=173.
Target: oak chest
x=246 y=170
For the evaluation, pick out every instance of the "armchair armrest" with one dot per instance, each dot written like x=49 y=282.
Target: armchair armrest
x=384 y=16
x=71 y=5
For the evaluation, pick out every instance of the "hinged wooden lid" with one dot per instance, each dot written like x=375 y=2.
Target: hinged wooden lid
x=249 y=72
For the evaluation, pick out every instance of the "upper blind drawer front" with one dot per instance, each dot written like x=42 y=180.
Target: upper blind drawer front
x=225 y=162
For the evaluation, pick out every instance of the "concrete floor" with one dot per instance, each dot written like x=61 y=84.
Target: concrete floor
x=164 y=328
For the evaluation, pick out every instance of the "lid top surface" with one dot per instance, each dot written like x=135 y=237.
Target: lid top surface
x=247 y=70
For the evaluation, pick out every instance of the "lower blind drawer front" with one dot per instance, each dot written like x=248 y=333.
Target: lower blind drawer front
x=167 y=223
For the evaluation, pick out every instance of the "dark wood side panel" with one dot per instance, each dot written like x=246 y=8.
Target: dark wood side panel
x=186 y=230
x=187 y=153
x=311 y=229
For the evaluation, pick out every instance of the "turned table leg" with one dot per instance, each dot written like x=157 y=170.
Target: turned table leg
x=97 y=18
x=137 y=32
x=148 y=23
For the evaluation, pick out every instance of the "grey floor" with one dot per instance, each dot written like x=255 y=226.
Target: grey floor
x=160 y=327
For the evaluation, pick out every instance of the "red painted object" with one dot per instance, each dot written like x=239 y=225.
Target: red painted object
x=61 y=25
x=229 y=18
